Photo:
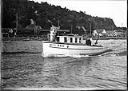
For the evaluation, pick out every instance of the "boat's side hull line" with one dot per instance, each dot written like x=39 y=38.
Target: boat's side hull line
x=52 y=49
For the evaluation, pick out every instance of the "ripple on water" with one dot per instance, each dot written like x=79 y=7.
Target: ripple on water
x=89 y=72
x=100 y=72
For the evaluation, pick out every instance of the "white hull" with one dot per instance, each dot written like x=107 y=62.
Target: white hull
x=62 y=50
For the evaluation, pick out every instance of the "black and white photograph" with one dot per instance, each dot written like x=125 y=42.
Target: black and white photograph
x=63 y=44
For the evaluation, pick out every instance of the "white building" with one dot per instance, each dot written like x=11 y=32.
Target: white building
x=99 y=32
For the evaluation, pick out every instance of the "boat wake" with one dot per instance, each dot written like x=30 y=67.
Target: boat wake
x=81 y=55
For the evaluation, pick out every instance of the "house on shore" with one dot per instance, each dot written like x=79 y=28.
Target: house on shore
x=121 y=33
x=110 y=33
x=100 y=32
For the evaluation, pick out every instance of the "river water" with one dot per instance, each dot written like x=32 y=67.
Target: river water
x=107 y=71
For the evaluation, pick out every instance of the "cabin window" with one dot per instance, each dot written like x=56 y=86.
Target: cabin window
x=58 y=39
x=79 y=40
x=65 y=39
x=70 y=40
x=75 y=40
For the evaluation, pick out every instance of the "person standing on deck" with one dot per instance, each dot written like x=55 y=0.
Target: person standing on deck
x=53 y=32
x=89 y=41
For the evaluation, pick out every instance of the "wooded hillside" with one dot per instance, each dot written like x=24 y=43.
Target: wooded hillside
x=45 y=14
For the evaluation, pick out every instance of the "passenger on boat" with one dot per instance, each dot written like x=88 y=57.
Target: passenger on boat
x=88 y=41
x=55 y=38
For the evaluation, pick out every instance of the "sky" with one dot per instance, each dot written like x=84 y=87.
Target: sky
x=114 y=9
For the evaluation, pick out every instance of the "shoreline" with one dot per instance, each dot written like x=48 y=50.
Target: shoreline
x=45 y=39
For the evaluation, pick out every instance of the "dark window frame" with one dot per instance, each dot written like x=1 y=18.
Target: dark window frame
x=65 y=39
x=75 y=40
x=71 y=40
x=80 y=40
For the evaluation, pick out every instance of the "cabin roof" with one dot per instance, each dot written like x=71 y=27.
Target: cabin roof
x=69 y=36
x=100 y=30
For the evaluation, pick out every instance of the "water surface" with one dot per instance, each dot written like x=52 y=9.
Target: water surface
x=106 y=71
x=29 y=70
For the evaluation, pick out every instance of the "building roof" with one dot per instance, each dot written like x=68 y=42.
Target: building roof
x=61 y=30
x=70 y=35
x=110 y=31
x=100 y=30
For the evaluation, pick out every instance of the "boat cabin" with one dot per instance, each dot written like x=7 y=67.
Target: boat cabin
x=70 y=39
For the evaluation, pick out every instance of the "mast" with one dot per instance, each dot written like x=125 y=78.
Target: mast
x=17 y=11
x=16 y=22
x=58 y=23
